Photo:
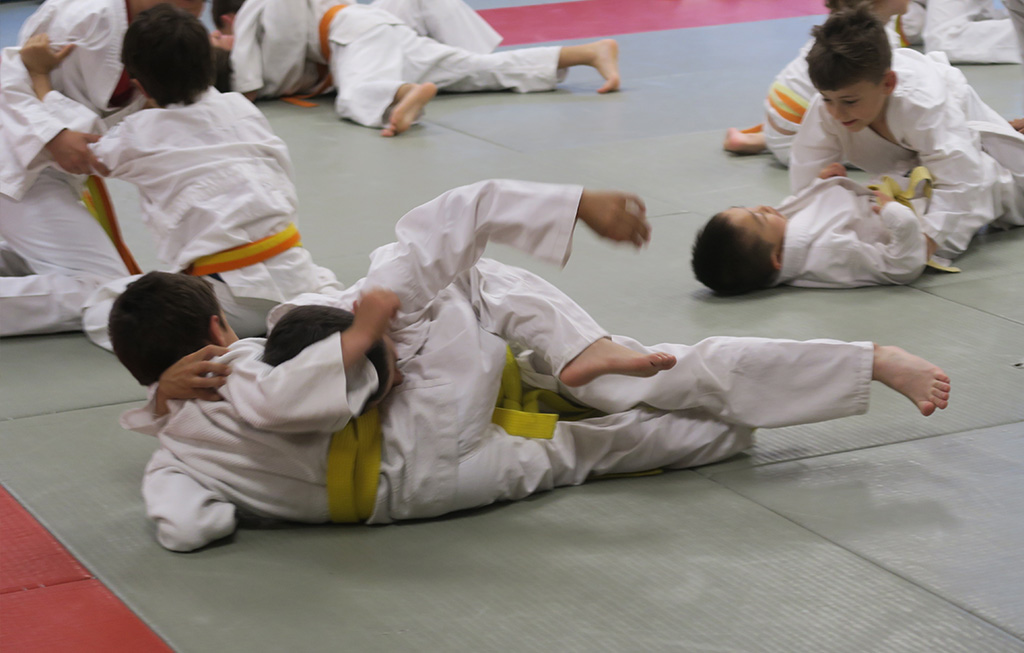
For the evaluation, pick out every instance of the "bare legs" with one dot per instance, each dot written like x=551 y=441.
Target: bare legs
x=606 y=357
x=410 y=99
x=602 y=55
x=742 y=142
x=913 y=377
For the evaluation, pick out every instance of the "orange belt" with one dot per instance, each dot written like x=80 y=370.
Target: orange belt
x=325 y=49
x=246 y=255
x=96 y=199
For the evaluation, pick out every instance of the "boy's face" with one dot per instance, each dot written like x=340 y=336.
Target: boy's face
x=763 y=222
x=859 y=105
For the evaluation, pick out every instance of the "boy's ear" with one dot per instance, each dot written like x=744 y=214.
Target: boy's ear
x=227 y=22
x=138 y=85
x=777 y=258
x=217 y=332
x=889 y=82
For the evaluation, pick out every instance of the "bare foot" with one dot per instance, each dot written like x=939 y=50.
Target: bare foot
x=409 y=102
x=606 y=357
x=913 y=377
x=606 y=60
x=739 y=142
x=602 y=55
x=1018 y=124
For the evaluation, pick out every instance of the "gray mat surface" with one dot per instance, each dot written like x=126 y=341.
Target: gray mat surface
x=884 y=532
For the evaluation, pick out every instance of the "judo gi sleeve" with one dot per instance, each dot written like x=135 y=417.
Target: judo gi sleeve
x=307 y=394
x=813 y=148
x=447 y=236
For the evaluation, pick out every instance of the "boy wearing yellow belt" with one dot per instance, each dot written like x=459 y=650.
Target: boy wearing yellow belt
x=316 y=427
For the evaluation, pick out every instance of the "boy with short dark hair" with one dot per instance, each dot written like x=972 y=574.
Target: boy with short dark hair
x=438 y=443
x=54 y=253
x=791 y=91
x=890 y=111
x=834 y=234
x=220 y=201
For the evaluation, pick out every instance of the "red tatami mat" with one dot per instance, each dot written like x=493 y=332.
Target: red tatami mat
x=592 y=18
x=29 y=557
x=49 y=603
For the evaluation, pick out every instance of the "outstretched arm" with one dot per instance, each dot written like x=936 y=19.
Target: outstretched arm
x=446 y=236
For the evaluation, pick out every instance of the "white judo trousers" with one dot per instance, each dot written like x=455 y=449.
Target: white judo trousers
x=54 y=254
x=451 y=22
x=702 y=410
x=369 y=70
x=970 y=31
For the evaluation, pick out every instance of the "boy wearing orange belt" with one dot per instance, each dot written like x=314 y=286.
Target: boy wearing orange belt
x=221 y=202
x=384 y=72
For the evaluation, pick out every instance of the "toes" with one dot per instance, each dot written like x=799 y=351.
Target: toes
x=926 y=407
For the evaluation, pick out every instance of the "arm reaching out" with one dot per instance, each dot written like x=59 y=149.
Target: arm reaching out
x=616 y=216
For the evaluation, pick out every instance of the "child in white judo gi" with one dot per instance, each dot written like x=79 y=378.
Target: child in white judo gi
x=216 y=182
x=441 y=321
x=967 y=31
x=835 y=233
x=384 y=72
x=451 y=22
x=888 y=111
x=53 y=254
x=787 y=98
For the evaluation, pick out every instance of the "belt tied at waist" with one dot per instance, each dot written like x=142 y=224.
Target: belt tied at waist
x=353 y=459
x=248 y=254
x=325 y=80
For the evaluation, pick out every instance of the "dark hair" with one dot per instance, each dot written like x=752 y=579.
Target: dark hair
x=850 y=47
x=159 y=319
x=168 y=51
x=730 y=261
x=220 y=7
x=836 y=5
x=305 y=325
x=222 y=69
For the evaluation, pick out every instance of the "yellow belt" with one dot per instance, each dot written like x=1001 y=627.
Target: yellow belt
x=248 y=254
x=919 y=185
x=353 y=459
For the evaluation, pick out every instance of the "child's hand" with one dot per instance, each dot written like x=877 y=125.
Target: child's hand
x=193 y=377
x=832 y=170
x=39 y=58
x=616 y=216
x=374 y=312
x=1018 y=124
x=70 y=149
x=881 y=199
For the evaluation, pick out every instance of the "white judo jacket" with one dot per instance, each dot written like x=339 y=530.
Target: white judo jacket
x=82 y=84
x=277 y=42
x=264 y=449
x=835 y=240
x=975 y=157
x=212 y=176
